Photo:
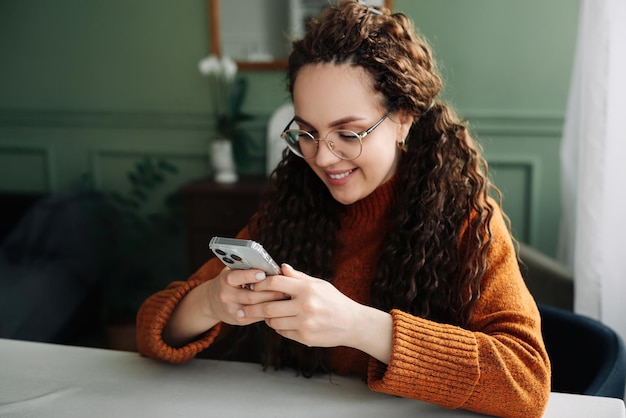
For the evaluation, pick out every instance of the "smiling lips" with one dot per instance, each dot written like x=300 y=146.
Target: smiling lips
x=340 y=176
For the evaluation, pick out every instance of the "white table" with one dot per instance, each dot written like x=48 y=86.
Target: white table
x=47 y=380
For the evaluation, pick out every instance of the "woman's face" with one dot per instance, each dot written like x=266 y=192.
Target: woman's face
x=328 y=97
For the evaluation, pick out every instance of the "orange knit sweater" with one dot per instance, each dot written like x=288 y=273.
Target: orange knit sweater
x=497 y=366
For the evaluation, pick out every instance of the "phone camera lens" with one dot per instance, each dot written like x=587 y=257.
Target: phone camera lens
x=228 y=260
x=220 y=252
x=235 y=257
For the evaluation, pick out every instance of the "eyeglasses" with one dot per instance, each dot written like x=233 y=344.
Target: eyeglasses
x=343 y=143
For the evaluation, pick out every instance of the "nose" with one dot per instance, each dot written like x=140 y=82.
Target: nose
x=325 y=156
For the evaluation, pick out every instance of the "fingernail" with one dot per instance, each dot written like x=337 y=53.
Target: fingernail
x=287 y=265
x=251 y=286
x=260 y=275
x=240 y=313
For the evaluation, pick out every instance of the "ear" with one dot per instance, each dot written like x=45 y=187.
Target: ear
x=405 y=121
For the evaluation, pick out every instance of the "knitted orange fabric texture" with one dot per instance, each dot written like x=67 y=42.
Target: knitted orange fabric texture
x=498 y=366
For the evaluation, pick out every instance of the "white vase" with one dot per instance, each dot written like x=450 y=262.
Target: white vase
x=225 y=170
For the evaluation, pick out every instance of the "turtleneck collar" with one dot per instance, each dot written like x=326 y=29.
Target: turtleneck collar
x=374 y=207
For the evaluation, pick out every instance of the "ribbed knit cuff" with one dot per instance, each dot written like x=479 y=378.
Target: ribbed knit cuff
x=154 y=315
x=429 y=361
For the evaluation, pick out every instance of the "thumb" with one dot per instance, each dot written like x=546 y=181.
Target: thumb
x=289 y=271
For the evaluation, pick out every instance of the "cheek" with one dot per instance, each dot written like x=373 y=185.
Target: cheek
x=383 y=159
x=384 y=150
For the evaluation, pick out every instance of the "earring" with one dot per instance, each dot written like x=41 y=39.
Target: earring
x=402 y=145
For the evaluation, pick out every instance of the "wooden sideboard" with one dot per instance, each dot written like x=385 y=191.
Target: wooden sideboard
x=218 y=209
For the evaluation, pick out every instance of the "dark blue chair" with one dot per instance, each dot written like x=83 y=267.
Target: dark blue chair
x=587 y=356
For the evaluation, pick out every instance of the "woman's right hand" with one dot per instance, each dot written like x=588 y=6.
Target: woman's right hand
x=226 y=294
x=216 y=300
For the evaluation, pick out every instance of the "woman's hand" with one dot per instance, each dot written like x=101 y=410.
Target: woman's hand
x=230 y=291
x=317 y=314
x=217 y=300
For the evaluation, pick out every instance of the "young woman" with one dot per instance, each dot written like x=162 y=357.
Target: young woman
x=398 y=266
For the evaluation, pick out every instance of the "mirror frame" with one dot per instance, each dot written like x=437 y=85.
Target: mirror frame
x=216 y=40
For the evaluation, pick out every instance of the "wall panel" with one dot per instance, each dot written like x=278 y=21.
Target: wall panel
x=523 y=156
x=514 y=178
x=110 y=167
x=27 y=168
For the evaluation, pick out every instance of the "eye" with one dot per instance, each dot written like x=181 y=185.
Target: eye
x=347 y=136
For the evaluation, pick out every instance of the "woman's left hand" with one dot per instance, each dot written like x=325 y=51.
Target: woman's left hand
x=317 y=314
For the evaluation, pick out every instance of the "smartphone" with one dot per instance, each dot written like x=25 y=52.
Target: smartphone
x=243 y=254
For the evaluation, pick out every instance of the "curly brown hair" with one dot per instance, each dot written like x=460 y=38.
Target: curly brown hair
x=434 y=255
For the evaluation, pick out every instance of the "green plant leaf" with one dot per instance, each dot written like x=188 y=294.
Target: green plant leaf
x=158 y=178
x=139 y=194
x=168 y=167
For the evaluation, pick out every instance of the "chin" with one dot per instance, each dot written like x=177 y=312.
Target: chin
x=345 y=199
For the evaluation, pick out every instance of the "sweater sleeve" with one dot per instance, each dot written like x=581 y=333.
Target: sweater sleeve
x=156 y=311
x=497 y=366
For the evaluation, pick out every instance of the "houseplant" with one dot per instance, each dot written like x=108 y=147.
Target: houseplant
x=228 y=92
x=144 y=246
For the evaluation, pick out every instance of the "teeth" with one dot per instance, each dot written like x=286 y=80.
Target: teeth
x=340 y=176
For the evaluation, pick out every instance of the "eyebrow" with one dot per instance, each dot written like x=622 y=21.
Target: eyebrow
x=333 y=124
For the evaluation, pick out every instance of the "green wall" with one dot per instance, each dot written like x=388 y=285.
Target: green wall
x=507 y=67
x=501 y=56
x=88 y=87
